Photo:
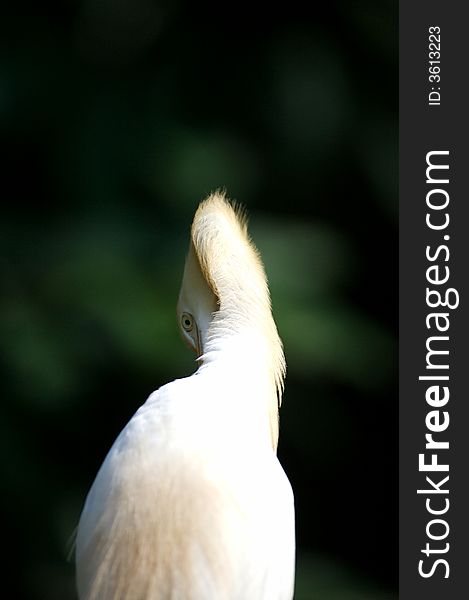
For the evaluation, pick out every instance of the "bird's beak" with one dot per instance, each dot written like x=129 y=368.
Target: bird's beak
x=198 y=346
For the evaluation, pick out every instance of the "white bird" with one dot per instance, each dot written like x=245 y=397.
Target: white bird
x=191 y=502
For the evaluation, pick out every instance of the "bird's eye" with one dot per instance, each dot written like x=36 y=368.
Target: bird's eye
x=187 y=322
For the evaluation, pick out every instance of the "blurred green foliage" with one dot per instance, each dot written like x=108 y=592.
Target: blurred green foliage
x=116 y=119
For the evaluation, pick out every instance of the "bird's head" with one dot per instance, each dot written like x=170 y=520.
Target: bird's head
x=196 y=305
x=224 y=308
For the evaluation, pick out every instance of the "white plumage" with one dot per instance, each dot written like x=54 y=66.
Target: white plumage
x=191 y=502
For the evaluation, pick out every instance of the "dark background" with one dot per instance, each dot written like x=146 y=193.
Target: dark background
x=117 y=117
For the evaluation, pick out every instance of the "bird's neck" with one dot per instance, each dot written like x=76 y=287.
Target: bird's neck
x=242 y=330
x=237 y=278
x=241 y=358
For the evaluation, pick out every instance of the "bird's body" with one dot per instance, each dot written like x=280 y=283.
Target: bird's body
x=191 y=502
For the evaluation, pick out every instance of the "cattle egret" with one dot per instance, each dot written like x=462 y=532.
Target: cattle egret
x=191 y=502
